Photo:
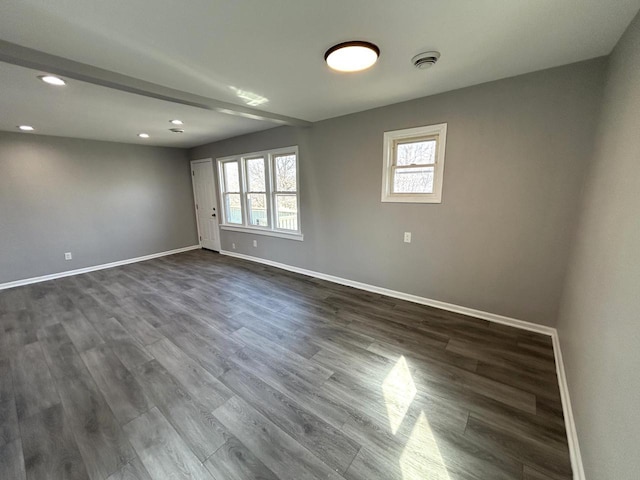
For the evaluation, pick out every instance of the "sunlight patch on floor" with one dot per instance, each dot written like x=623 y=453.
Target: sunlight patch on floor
x=421 y=457
x=399 y=391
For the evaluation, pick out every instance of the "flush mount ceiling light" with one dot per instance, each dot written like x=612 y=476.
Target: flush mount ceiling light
x=143 y=135
x=352 y=56
x=52 y=80
x=26 y=128
x=176 y=122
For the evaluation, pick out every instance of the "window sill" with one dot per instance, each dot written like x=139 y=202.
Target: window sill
x=411 y=199
x=259 y=231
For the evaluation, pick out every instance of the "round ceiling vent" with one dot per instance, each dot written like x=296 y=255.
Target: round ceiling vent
x=177 y=130
x=425 y=60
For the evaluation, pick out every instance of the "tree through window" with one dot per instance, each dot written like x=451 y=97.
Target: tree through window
x=414 y=164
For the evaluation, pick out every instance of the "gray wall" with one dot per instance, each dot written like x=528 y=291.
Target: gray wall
x=599 y=323
x=499 y=242
x=101 y=201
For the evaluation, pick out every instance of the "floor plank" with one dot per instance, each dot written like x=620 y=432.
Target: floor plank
x=118 y=385
x=520 y=447
x=101 y=441
x=50 y=449
x=193 y=420
x=197 y=348
x=203 y=386
x=9 y=429
x=18 y=329
x=80 y=330
x=6 y=381
x=309 y=370
x=296 y=342
x=130 y=352
x=234 y=461
x=532 y=474
x=32 y=381
x=333 y=411
x=162 y=451
x=60 y=352
x=134 y=470
x=12 y=461
x=273 y=447
x=328 y=443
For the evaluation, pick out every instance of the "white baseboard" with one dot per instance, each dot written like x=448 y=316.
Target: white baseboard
x=569 y=422
x=572 y=438
x=68 y=273
x=492 y=317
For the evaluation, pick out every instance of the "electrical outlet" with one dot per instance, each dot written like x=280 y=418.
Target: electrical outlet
x=68 y=256
x=255 y=243
x=407 y=237
x=233 y=245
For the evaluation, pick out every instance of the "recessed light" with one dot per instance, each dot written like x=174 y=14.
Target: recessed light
x=143 y=135
x=26 y=128
x=176 y=122
x=52 y=80
x=352 y=56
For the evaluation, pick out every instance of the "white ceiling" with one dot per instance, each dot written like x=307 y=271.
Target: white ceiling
x=83 y=110
x=274 y=49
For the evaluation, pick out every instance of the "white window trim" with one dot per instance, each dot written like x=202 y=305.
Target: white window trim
x=275 y=192
x=267 y=192
x=390 y=138
x=269 y=156
x=223 y=189
x=262 y=231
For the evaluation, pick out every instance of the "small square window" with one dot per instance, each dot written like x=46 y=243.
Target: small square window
x=414 y=164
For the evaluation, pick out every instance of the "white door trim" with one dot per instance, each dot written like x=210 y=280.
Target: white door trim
x=195 y=199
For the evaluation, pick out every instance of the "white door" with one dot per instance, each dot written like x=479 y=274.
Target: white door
x=204 y=193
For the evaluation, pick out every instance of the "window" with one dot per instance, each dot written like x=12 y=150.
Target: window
x=414 y=164
x=285 y=191
x=231 y=191
x=257 y=192
x=260 y=193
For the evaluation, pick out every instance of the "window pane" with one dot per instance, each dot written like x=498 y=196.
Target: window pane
x=257 y=203
x=287 y=212
x=416 y=153
x=256 y=179
x=233 y=209
x=231 y=177
x=285 y=173
x=413 y=180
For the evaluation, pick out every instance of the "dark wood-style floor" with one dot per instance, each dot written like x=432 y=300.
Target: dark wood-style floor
x=199 y=366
